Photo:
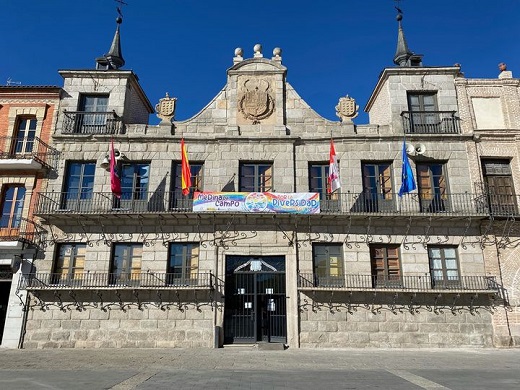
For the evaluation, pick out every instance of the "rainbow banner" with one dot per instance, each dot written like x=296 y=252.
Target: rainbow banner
x=258 y=202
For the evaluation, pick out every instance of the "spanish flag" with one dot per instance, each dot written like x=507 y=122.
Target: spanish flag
x=186 y=171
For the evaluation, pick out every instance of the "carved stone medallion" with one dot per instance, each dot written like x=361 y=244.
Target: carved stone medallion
x=256 y=103
x=166 y=109
x=347 y=109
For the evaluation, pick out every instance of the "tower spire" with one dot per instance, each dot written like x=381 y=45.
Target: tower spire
x=114 y=58
x=403 y=55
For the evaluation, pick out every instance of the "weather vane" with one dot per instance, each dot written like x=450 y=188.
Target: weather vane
x=397 y=6
x=121 y=3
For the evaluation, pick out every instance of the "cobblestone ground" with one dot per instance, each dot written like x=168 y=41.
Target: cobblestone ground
x=251 y=368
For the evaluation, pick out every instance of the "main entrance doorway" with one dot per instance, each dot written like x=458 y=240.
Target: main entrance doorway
x=255 y=303
x=5 y=287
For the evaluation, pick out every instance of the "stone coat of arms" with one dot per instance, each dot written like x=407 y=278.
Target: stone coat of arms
x=347 y=109
x=166 y=109
x=256 y=103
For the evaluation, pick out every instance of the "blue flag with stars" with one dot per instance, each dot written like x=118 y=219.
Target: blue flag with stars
x=407 y=180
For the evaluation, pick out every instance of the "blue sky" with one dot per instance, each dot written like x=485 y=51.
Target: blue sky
x=331 y=47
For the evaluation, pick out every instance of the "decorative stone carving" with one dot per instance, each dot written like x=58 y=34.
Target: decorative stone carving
x=166 y=109
x=256 y=103
x=347 y=109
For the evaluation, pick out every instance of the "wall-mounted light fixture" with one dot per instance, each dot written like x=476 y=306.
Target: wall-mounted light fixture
x=105 y=164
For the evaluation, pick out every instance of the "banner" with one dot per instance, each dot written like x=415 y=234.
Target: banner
x=258 y=202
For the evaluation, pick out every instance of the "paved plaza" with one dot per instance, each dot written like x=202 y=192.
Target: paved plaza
x=251 y=368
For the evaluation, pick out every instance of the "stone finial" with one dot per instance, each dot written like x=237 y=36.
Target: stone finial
x=258 y=50
x=277 y=54
x=347 y=109
x=238 y=55
x=166 y=109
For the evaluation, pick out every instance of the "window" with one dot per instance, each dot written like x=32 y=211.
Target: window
x=13 y=197
x=498 y=183
x=444 y=268
x=126 y=264
x=23 y=141
x=431 y=182
x=328 y=265
x=256 y=177
x=424 y=113
x=70 y=263
x=386 y=268
x=78 y=185
x=377 y=187
x=318 y=182
x=178 y=199
x=134 y=186
x=93 y=114
x=183 y=264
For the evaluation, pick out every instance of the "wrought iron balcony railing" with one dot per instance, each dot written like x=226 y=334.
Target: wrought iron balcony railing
x=424 y=283
x=344 y=203
x=97 y=281
x=19 y=229
x=430 y=122
x=81 y=122
x=22 y=148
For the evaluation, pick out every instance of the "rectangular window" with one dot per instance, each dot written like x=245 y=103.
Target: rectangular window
x=377 y=187
x=126 y=264
x=78 y=186
x=499 y=187
x=13 y=197
x=135 y=178
x=318 y=182
x=256 y=177
x=70 y=264
x=431 y=183
x=23 y=140
x=444 y=268
x=178 y=200
x=424 y=114
x=183 y=264
x=328 y=265
x=93 y=114
x=386 y=267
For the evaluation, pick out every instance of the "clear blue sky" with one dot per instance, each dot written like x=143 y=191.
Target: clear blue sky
x=330 y=47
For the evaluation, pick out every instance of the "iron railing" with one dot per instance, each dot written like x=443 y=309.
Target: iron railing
x=19 y=229
x=344 y=203
x=413 y=283
x=29 y=148
x=6 y=274
x=81 y=122
x=430 y=122
x=95 y=280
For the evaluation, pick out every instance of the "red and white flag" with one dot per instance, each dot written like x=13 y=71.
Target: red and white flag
x=333 y=179
x=115 y=179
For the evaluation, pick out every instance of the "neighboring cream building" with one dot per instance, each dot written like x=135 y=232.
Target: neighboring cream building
x=371 y=269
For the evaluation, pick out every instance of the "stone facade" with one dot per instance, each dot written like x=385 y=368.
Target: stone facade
x=370 y=270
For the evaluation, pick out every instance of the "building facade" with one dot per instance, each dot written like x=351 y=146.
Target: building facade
x=246 y=257
x=27 y=116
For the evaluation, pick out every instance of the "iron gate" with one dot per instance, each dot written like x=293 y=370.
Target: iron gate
x=255 y=307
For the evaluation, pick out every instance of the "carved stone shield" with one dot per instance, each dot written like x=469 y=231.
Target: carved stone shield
x=256 y=103
x=166 y=108
x=347 y=109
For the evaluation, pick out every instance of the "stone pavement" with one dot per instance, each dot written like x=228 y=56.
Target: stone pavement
x=251 y=368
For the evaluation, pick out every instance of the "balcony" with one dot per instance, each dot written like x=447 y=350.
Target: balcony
x=388 y=204
x=109 y=281
x=430 y=122
x=27 y=153
x=462 y=284
x=80 y=122
x=21 y=230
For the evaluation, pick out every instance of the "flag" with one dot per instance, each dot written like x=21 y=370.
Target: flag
x=186 y=171
x=333 y=179
x=115 y=180
x=407 y=180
